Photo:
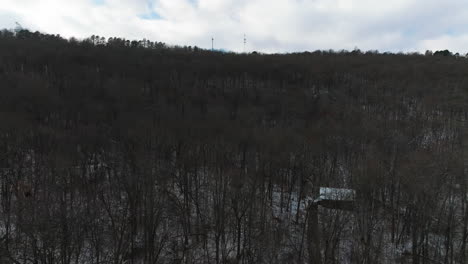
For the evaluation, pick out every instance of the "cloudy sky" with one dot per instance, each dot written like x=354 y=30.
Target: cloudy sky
x=270 y=25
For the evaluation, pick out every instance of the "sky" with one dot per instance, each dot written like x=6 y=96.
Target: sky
x=270 y=26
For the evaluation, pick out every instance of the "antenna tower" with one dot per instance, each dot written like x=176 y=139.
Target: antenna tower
x=212 y=44
x=245 y=41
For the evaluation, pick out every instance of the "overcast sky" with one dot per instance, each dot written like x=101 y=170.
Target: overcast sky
x=270 y=25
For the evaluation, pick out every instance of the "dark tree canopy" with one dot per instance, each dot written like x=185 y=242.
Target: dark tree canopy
x=134 y=151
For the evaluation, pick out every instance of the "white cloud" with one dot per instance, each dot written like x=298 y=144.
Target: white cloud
x=458 y=43
x=270 y=25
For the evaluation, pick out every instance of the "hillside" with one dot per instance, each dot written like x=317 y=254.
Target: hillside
x=115 y=151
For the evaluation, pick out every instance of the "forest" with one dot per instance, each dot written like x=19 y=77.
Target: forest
x=124 y=152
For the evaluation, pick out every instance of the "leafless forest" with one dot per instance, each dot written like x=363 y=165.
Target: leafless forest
x=116 y=151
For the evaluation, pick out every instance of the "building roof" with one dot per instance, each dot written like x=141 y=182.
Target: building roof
x=336 y=194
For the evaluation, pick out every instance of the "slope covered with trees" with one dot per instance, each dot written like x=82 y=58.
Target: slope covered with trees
x=116 y=151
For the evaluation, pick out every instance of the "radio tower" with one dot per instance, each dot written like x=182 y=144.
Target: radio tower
x=245 y=42
x=212 y=44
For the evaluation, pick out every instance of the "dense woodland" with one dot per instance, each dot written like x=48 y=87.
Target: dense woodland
x=117 y=151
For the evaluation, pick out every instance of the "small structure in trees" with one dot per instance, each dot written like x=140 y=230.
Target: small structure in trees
x=336 y=198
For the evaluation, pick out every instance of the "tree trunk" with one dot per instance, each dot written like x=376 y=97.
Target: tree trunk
x=313 y=235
